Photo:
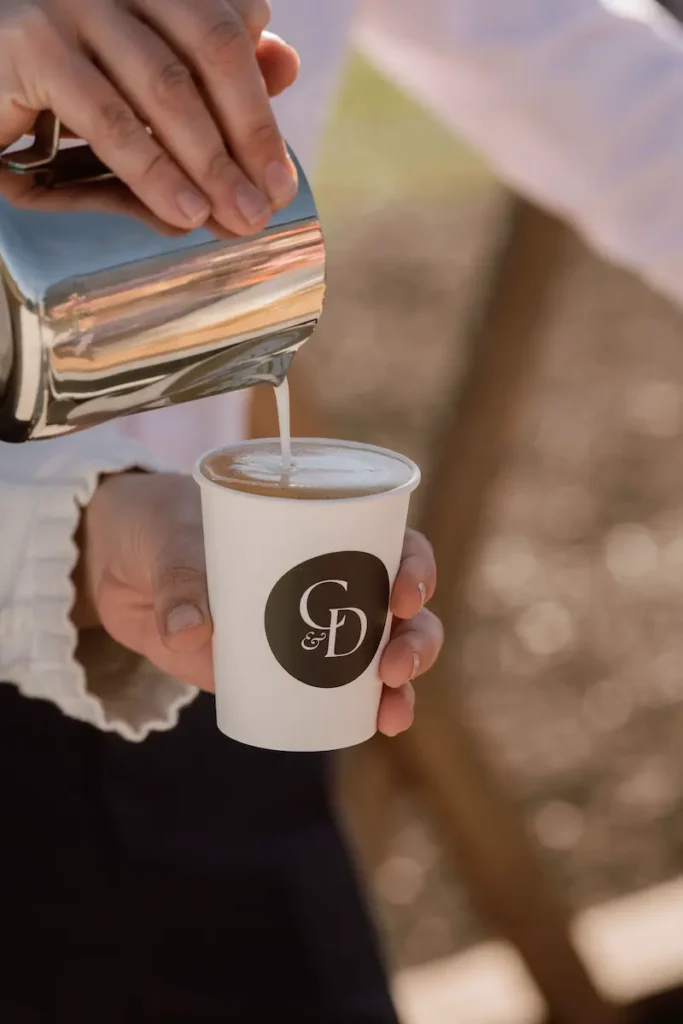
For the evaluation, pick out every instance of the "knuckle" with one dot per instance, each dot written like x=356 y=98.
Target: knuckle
x=173 y=83
x=263 y=135
x=221 y=167
x=120 y=126
x=179 y=578
x=31 y=41
x=159 y=164
x=257 y=15
x=224 y=41
x=422 y=545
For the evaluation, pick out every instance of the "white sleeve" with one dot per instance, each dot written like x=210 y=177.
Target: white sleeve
x=43 y=487
x=577 y=106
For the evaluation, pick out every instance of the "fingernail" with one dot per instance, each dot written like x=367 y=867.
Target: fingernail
x=194 y=206
x=423 y=594
x=281 y=183
x=252 y=205
x=416 y=666
x=182 y=617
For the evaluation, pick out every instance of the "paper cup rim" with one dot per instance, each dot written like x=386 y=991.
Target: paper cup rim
x=408 y=485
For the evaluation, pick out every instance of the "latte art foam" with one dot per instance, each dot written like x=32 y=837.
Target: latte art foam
x=325 y=470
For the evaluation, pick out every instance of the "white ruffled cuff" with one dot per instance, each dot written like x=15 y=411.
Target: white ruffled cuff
x=90 y=678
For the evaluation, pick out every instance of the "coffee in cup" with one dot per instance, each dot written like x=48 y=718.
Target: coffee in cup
x=319 y=470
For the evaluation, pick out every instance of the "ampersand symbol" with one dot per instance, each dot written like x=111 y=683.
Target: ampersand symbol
x=312 y=641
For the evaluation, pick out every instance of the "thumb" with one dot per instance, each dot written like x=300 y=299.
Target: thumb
x=278 y=61
x=181 y=602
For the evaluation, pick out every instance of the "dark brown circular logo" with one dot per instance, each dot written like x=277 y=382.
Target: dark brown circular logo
x=326 y=617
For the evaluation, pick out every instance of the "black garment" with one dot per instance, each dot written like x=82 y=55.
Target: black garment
x=184 y=879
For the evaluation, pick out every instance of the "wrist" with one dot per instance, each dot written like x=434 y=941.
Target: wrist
x=84 y=611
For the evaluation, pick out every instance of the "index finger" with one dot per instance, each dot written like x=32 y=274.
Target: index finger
x=215 y=39
x=81 y=96
x=416 y=580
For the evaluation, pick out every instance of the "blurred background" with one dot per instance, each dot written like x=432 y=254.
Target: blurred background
x=565 y=645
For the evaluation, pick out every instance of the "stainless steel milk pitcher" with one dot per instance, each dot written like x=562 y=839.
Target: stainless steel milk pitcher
x=101 y=315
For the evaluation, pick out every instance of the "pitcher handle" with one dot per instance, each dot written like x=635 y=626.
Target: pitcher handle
x=55 y=166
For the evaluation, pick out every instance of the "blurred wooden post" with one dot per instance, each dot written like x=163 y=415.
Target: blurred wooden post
x=480 y=828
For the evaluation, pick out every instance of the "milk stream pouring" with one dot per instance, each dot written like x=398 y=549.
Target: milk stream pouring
x=102 y=315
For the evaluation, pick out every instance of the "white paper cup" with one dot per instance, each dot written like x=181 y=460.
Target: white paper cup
x=299 y=593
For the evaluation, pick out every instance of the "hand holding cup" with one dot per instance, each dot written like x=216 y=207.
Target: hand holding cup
x=142 y=577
